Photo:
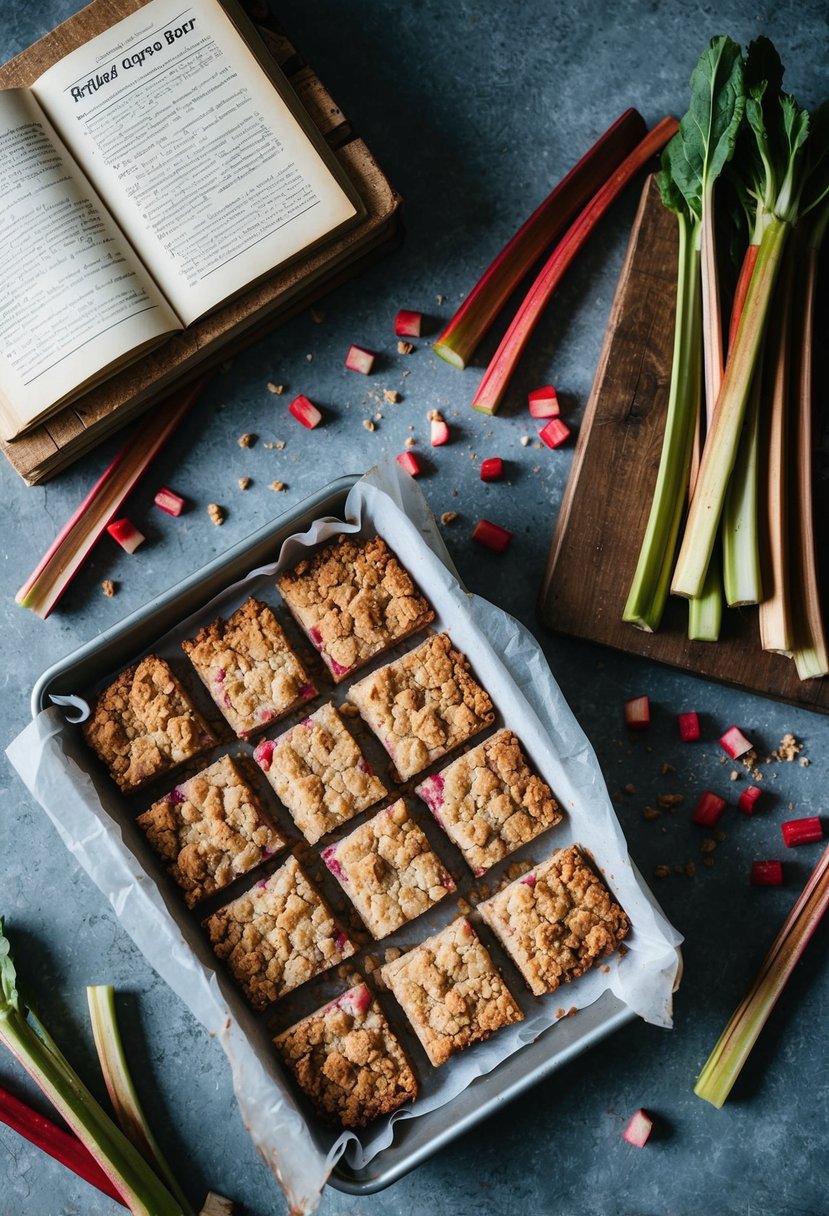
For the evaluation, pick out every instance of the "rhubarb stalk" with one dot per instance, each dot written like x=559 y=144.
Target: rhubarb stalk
x=731 y=1052
x=72 y=545
x=458 y=341
x=503 y=363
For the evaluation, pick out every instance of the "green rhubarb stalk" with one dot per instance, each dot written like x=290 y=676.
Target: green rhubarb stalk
x=142 y=1191
x=726 y=1061
x=459 y=340
x=705 y=610
x=810 y=652
x=742 y=576
x=121 y=1090
x=649 y=588
x=723 y=439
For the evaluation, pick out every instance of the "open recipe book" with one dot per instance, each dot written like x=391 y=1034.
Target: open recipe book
x=148 y=177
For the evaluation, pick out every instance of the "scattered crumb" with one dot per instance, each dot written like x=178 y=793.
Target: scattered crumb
x=410 y=441
x=404 y=348
x=650 y=812
x=391 y=395
x=670 y=800
x=216 y=514
x=368 y=424
x=448 y=517
x=662 y=871
x=690 y=869
x=378 y=417
x=392 y=953
x=474 y=898
x=749 y=763
x=435 y=416
x=316 y=315
x=276 y=445
x=537 y=467
x=247 y=440
x=789 y=749
x=347 y=710
x=804 y=762
x=276 y=388
x=309 y=358
x=279 y=486
x=720 y=836
x=630 y=788
x=464 y=907
x=440 y=299
x=708 y=844
x=109 y=588
x=708 y=861
x=244 y=483
x=560 y=1012
x=524 y=441
x=733 y=775
x=369 y=964
x=667 y=769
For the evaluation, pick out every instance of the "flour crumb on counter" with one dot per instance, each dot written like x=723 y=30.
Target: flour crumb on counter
x=216 y=514
x=276 y=389
x=109 y=588
x=247 y=440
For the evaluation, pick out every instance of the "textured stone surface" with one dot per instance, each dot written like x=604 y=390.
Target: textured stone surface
x=474 y=110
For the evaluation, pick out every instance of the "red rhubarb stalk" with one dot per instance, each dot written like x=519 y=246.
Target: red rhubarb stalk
x=801 y=831
x=748 y=798
x=688 y=724
x=555 y=433
x=731 y=1052
x=72 y=545
x=709 y=809
x=491 y=535
x=766 y=874
x=734 y=743
x=497 y=376
x=410 y=463
x=492 y=469
x=638 y=1129
x=543 y=402
x=59 y=1144
x=637 y=713
x=408 y=324
x=458 y=341
x=359 y=359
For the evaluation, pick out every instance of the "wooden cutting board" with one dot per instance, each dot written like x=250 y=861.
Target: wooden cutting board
x=607 y=501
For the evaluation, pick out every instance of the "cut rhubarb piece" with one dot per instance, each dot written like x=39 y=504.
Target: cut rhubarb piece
x=734 y=743
x=305 y=412
x=359 y=359
x=802 y=831
x=492 y=469
x=638 y=713
x=126 y=533
x=439 y=431
x=410 y=463
x=492 y=535
x=708 y=810
x=748 y=798
x=408 y=324
x=555 y=433
x=767 y=873
x=172 y=503
x=639 y=1129
x=688 y=724
x=544 y=402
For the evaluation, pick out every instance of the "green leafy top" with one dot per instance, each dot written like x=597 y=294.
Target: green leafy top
x=707 y=134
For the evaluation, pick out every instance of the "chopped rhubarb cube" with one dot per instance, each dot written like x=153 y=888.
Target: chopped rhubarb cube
x=305 y=412
x=360 y=360
x=544 y=402
x=408 y=324
x=735 y=743
x=439 y=432
x=708 y=810
x=492 y=469
x=410 y=463
x=748 y=798
x=688 y=724
x=638 y=713
x=555 y=433
x=172 y=503
x=492 y=535
x=639 y=1129
x=766 y=873
x=126 y=533
x=802 y=831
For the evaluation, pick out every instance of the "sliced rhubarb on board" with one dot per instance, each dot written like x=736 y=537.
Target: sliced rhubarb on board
x=493 y=536
x=766 y=873
x=709 y=809
x=359 y=359
x=543 y=402
x=492 y=469
x=688 y=724
x=168 y=501
x=408 y=324
x=126 y=533
x=748 y=799
x=555 y=433
x=802 y=831
x=734 y=743
x=305 y=412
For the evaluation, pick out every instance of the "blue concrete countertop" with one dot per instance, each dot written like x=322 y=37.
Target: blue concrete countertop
x=474 y=109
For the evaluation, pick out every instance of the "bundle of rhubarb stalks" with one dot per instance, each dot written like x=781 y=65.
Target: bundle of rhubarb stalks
x=747 y=176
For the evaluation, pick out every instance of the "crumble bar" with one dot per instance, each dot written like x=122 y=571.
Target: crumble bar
x=489 y=802
x=451 y=992
x=347 y=1060
x=319 y=773
x=210 y=829
x=278 y=935
x=144 y=725
x=354 y=600
x=388 y=870
x=423 y=705
x=249 y=668
x=556 y=920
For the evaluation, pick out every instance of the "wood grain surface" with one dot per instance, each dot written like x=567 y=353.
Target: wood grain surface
x=608 y=496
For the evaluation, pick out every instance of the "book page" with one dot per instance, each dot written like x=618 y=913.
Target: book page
x=74 y=298
x=196 y=152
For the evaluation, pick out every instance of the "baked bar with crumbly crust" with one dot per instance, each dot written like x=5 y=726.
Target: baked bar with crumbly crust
x=319 y=773
x=210 y=829
x=556 y=920
x=249 y=668
x=489 y=802
x=388 y=870
x=354 y=600
x=144 y=724
x=278 y=935
x=451 y=992
x=347 y=1060
x=423 y=705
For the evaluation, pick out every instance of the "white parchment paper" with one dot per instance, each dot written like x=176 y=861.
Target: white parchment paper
x=87 y=812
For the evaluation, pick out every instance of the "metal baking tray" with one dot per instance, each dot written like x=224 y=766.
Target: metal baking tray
x=414 y=1139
